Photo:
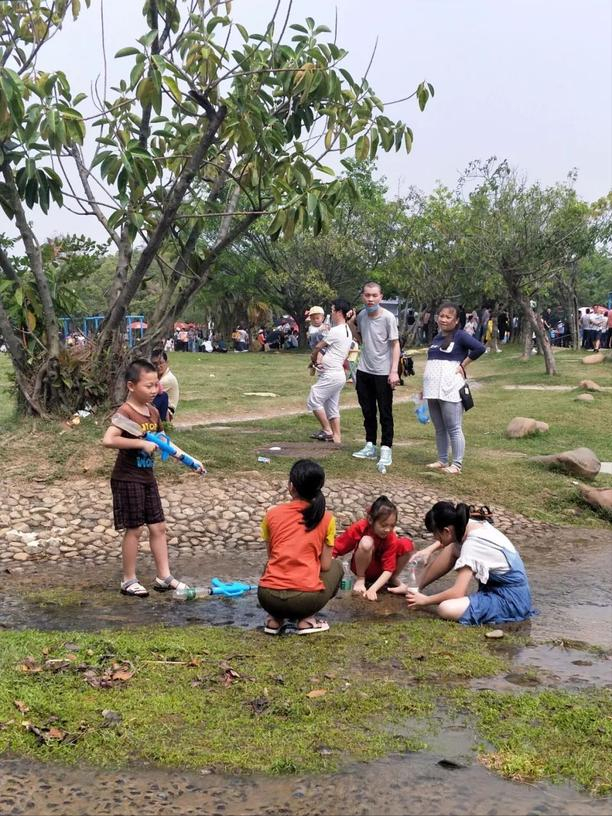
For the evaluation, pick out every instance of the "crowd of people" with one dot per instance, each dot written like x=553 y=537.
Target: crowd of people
x=304 y=569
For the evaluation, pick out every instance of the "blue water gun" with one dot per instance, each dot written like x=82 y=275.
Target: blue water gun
x=231 y=589
x=160 y=439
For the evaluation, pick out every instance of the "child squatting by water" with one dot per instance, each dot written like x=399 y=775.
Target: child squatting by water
x=379 y=555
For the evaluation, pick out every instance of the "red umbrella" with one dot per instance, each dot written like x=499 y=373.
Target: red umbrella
x=139 y=324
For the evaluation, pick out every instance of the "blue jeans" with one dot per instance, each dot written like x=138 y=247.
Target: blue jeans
x=447 y=418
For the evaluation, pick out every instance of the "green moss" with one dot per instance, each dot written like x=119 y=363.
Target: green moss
x=183 y=707
x=242 y=702
x=550 y=735
x=55 y=596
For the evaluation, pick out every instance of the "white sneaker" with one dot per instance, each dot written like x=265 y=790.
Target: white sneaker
x=367 y=452
x=386 y=459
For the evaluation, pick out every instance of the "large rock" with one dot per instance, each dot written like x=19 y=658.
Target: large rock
x=578 y=462
x=598 y=497
x=585 y=397
x=524 y=426
x=590 y=385
x=592 y=359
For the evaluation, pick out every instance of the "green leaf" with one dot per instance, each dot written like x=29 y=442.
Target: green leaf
x=126 y=52
x=408 y=140
x=362 y=148
x=243 y=32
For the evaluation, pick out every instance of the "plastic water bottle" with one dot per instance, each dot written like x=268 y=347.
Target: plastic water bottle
x=412 y=576
x=190 y=593
x=346 y=584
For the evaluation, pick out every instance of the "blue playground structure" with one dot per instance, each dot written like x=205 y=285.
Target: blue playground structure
x=134 y=326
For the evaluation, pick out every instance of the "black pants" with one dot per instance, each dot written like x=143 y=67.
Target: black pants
x=373 y=390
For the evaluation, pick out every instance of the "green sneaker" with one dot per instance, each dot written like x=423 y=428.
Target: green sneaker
x=367 y=452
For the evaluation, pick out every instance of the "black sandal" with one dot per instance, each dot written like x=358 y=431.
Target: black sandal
x=321 y=436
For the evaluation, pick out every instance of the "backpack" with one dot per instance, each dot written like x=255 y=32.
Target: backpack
x=405 y=366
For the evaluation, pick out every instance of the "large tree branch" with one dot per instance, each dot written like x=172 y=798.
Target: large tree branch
x=177 y=194
x=83 y=172
x=203 y=272
x=32 y=249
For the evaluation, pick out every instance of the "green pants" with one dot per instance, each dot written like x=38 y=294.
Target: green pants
x=294 y=604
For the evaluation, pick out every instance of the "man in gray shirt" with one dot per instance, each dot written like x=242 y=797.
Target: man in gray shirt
x=375 y=329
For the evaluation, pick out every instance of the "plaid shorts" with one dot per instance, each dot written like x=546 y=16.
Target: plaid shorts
x=135 y=504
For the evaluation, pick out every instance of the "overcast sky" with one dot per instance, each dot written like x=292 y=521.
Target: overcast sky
x=527 y=80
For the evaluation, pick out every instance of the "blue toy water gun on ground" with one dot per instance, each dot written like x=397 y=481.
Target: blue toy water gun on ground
x=231 y=589
x=160 y=439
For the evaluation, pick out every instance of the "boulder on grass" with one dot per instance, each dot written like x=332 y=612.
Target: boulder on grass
x=598 y=497
x=578 y=462
x=524 y=426
x=592 y=359
x=585 y=397
x=590 y=385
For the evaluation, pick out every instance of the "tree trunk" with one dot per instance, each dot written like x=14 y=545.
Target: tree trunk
x=534 y=322
x=526 y=340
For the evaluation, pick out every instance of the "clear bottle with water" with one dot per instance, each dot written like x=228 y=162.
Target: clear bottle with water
x=346 y=584
x=413 y=574
x=191 y=593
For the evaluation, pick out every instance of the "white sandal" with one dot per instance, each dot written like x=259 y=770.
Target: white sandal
x=436 y=466
x=134 y=588
x=453 y=470
x=169 y=583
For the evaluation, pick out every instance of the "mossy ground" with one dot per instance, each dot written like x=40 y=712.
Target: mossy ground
x=243 y=702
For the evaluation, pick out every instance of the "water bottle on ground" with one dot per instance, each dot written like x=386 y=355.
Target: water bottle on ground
x=346 y=584
x=413 y=571
x=191 y=593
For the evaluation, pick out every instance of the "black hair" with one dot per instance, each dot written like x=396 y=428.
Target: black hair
x=371 y=283
x=448 y=305
x=446 y=514
x=342 y=305
x=135 y=369
x=308 y=478
x=156 y=353
x=382 y=508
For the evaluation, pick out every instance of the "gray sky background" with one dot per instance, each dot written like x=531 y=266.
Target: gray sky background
x=527 y=80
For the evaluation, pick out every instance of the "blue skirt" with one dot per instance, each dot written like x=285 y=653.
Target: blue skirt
x=503 y=599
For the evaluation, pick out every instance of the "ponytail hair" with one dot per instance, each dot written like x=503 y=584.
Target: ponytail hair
x=446 y=514
x=308 y=478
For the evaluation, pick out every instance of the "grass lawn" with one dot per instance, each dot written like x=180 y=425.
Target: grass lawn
x=496 y=469
x=243 y=702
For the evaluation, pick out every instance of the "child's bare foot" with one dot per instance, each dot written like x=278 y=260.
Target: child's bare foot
x=359 y=586
x=398 y=589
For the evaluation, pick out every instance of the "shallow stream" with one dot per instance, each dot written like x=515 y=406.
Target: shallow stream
x=571 y=579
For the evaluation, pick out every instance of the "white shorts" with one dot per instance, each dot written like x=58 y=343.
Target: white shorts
x=325 y=393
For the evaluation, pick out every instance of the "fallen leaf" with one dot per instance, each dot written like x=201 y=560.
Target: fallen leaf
x=316 y=693
x=57 y=664
x=259 y=704
x=112 y=717
x=55 y=734
x=30 y=666
x=122 y=675
x=22 y=707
